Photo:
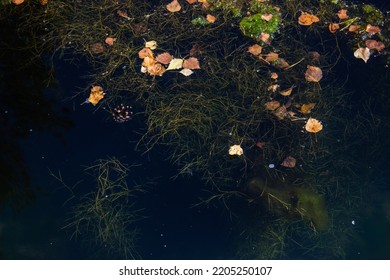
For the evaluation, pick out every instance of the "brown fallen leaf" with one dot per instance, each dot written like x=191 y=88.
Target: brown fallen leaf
x=313 y=74
x=255 y=49
x=342 y=14
x=272 y=105
x=289 y=162
x=307 y=19
x=306 y=108
x=191 y=63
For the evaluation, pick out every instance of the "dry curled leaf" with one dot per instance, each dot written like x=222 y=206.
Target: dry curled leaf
x=191 y=1
x=174 y=6
x=307 y=19
x=175 y=63
x=342 y=14
x=164 y=58
x=313 y=125
x=362 y=53
x=272 y=105
x=191 y=63
x=255 y=49
x=313 y=74
x=287 y=92
x=375 y=45
x=43 y=2
x=306 y=108
x=289 y=162
x=96 y=95
x=333 y=27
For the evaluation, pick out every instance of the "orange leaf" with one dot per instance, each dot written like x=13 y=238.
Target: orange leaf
x=191 y=63
x=342 y=14
x=307 y=19
x=375 y=45
x=17 y=2
x=145 y=52
x=255 y=49
x=333 y=27
x=272 y=105
x=266 y=17
x=313 y=125
x=164 y=58
x=372 y=29
x=96 y=95
x=313 y=74
x=110 y=41
x=211 y=18
x=174 y=6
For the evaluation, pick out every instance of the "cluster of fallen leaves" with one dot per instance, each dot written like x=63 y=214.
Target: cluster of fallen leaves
x=345 y=22
x=175 y=6
x=157 y=65
x=312 y=74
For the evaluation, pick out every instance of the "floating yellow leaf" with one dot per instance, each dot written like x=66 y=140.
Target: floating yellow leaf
x=175 y=63
x=306 y=108
x=186 y=72
x=174 y=6
x=151 y=45
x=96 y=95
x=363 y=53
x=313 y=125
x=313 y=74
x=236 y=150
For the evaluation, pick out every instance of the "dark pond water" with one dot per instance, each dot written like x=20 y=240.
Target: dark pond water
x=44 y=131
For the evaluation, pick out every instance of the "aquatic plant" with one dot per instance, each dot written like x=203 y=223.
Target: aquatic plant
x=105 y=217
